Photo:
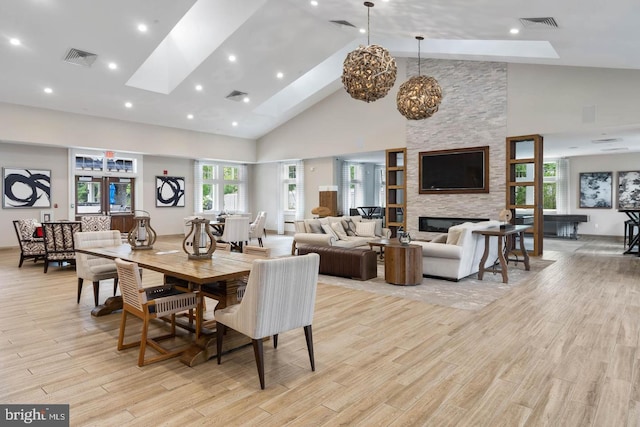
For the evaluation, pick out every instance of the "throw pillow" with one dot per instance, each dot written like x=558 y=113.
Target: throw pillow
x=366 y=229
x=440 y=238
x=453 y=236
x=328 y=230
x=349 y=226
x=378 y=223
x=315 y=227
x=337 y=227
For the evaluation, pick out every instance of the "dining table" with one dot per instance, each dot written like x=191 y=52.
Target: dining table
x=224 y=271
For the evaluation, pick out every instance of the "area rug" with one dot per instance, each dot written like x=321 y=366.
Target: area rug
x=466 y=294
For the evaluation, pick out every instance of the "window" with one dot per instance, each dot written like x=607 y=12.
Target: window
x=549 y=185
x=220 y=187
x=290 y=187
x=380 y=185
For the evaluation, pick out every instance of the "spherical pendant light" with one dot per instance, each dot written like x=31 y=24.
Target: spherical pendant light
x=369 y=72
x=419 y=97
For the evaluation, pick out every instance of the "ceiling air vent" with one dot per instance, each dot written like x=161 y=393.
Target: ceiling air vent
x=80 y=57
x=236 y=95
x=539 y=22
x=605 y=140
x=343 y=22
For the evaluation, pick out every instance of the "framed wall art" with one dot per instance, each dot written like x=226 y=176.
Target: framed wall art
x=596 y=190
x=26 y=188
x=169 y=191
x=629 y=190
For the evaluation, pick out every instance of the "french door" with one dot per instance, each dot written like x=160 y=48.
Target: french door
x=113 y=196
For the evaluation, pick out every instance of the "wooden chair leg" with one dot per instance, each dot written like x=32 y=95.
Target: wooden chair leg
x=259 y=354
x=275 y=341
x=115 y=286
x=80 y=280
x=96 y=292
x=219 y=337
x=123 y=324
x=46 y=265
x=143 y=341
x=21 y=260
x=309 y=337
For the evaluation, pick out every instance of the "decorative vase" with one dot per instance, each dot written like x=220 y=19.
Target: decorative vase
x=404 y=238
x=200 y=230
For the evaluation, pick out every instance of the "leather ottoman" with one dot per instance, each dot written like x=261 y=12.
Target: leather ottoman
x=358 y=264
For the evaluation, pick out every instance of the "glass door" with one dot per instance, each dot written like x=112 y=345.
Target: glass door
x=104 y=195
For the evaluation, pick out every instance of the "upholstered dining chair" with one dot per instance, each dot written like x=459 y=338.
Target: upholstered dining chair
x=95 y=222
x=256 y=228
x=236 y=231
x=59 y=245
x=147 y=304
x=94 y=268
x=280 y=296
x=30 y=246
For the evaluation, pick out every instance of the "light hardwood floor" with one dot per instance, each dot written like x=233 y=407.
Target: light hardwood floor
x=561 y=349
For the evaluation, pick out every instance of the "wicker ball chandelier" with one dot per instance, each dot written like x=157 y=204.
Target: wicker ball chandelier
x=369 y=72
x=420 y=96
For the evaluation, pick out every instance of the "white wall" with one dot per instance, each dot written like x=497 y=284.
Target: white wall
x=47 y=127
x=34 y=157
x=607 y=222
x=549 y=99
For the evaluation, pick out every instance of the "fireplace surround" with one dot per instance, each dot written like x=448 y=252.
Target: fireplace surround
x=442 y=224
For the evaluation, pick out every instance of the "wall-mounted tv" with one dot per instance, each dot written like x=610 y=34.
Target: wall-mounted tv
x=462 y=170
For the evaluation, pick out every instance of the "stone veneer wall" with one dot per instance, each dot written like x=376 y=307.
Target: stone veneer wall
x=473 y=113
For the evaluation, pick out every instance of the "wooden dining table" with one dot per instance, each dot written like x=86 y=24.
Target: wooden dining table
x=224 y=270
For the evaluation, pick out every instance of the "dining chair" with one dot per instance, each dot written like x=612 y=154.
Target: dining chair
x=280 y=296
x=59 y=243
x=236 y=231
x=147 y=304
x=96 y=222
x=30 y=245
x=94 y=268
x=256 y=228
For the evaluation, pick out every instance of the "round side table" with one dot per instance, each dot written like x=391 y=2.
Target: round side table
x=403 y=264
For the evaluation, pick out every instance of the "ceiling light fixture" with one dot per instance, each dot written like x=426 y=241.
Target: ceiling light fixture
x=363 y=31
x=419 y=97
x=313 y=3
x=190 y=116
x=48 y=90
x=369 y=72
x=514 y=31
x=234 y=124
x=113 y=65
x=198 y=88
x=142 y=28
x=246 y=99
x=128 y=104
x=280 y=75
x=14 y=41
x=232 y=58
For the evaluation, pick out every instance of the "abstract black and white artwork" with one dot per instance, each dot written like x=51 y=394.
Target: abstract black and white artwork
x=629 y=190
x=169 y=191
x=26 y=188
x=596 y=189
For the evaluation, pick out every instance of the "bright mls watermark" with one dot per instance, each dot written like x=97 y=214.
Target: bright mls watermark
x=34 y=415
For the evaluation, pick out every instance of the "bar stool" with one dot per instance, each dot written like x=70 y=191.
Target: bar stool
x=629 y=232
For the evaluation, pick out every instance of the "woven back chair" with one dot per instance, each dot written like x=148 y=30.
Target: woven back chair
x=31 y=247
x=96 y=222
x=280 y=296
x=59 y=242
x=147 y=304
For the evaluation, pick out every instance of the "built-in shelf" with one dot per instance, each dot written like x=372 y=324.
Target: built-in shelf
x=396 y=176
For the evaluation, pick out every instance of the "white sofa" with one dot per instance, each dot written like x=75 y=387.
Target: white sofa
x=459 y=256
x=310 y=232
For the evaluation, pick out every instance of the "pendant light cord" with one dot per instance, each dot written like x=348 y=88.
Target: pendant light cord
x=419 y=71
x=368 y=21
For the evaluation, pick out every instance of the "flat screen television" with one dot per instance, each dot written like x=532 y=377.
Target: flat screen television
x=462 y=170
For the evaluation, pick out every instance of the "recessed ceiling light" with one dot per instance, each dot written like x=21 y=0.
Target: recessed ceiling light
x=362 y=30
x=514 y=31
x=280 y=74
x=232 y=58
x=198 y=88
x=246 y=100
x=113 y=65
x=128 y=104
x=142 y=28
x=313 y=3
x=190 y=116
x=14 y=41
x=234 y=124
x=48 y=90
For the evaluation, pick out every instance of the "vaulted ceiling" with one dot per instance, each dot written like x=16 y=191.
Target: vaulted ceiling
x=178 y=73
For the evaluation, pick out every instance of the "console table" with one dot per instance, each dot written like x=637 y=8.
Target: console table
x=505 y=246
